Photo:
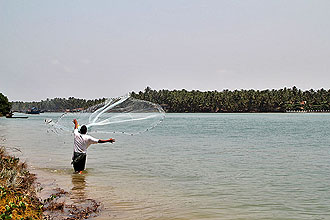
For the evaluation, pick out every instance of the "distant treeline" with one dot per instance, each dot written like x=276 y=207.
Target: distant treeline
x=282 y=100
x=56 y=104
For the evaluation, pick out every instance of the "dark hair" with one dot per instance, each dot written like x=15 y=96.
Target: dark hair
x=83 y=129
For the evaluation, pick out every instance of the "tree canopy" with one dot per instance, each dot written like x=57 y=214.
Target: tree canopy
x=282 y=100
x=5 y=105
x=56 y=104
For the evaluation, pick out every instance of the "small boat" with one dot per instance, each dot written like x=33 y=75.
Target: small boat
x=11 y=115
x=33 y=110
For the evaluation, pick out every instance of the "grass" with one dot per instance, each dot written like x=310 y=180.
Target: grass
x=17 y=192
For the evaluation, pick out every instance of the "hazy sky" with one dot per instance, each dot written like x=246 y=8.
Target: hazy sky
x=92 y=49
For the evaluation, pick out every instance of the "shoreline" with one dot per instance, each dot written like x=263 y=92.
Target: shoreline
x=17 y=190
x=237 y=112
x=22 y=195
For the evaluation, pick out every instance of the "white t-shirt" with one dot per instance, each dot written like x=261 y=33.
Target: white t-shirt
x=82 y=141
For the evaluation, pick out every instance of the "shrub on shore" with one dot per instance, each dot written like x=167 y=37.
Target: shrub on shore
x=5 y=105
x=17 y=193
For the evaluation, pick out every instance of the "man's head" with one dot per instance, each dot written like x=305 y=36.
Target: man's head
x=83 y=129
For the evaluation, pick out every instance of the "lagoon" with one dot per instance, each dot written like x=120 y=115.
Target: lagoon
x=192 y=166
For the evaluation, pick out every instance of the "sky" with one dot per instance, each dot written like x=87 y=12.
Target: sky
x=106 y=48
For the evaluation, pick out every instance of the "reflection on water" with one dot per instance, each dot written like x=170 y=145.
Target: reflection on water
x=78 y=191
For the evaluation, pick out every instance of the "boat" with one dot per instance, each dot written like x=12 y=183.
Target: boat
x=33 y=110
x=11 y=115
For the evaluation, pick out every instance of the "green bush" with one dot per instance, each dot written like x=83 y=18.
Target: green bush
x=5 y=106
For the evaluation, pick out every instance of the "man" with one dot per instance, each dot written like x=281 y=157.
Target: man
x=81 y=142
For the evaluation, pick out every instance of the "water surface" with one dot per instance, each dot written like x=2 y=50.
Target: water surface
x=192 y=166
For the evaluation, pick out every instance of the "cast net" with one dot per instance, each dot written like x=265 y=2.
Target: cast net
x=125 y=115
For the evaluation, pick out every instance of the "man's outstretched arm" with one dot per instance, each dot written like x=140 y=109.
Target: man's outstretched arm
x=75 y=123
x=105 y=141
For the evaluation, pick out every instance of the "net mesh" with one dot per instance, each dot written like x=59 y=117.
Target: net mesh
x=125 y=115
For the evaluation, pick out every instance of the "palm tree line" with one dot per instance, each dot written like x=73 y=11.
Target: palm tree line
x=56 y=104
x=281 y=100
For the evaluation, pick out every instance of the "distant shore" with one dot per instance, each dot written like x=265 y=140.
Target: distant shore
x=195 y=101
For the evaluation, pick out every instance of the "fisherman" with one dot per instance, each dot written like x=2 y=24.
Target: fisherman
x=81 y=143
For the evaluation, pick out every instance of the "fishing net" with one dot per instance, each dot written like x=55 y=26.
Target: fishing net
x=125 y=115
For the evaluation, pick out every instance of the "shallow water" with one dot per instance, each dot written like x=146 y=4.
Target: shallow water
x=192 y=166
